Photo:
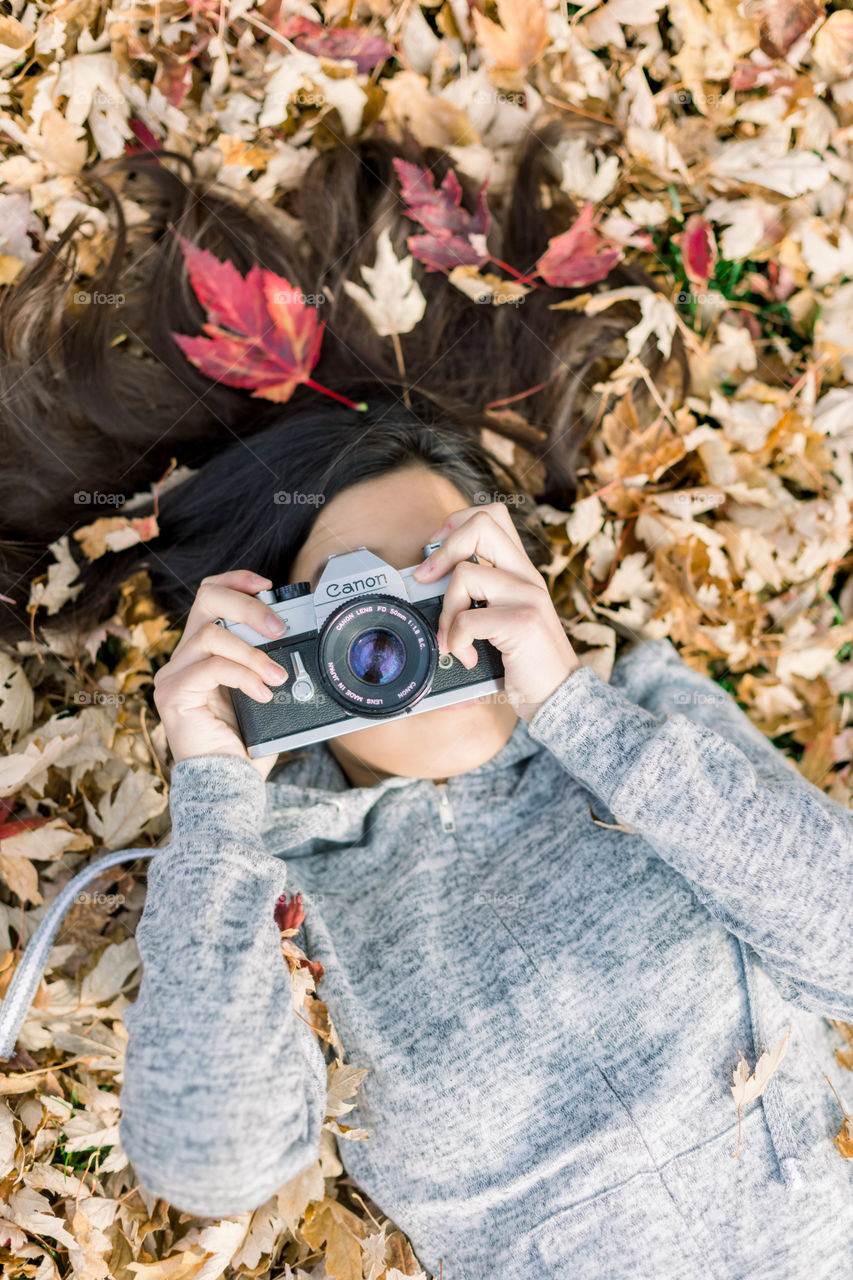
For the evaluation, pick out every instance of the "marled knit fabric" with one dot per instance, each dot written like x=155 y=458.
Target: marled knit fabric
x=550 y=1009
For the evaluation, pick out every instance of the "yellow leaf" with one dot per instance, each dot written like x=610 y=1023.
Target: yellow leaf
x=522 y=36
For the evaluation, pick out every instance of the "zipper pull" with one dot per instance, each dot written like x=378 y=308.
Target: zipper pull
x=445 y=808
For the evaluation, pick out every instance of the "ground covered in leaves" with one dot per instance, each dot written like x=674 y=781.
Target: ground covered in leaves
x=732 y=187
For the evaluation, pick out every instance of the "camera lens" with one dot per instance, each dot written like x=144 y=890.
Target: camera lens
x=376 y=656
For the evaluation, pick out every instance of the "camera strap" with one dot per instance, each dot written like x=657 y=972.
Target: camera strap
x=26 y=978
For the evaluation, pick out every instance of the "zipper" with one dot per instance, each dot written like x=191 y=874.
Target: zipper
x=445 y=808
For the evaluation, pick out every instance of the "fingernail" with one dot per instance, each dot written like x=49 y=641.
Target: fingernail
x=266 y=696
x=426 y=568
x=275 y=672
x=260 y=579
x=274 y=625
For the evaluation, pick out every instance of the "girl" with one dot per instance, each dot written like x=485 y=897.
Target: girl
x=549 y=921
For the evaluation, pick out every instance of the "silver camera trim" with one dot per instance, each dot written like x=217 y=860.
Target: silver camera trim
x=358 y=573
x=353 y=723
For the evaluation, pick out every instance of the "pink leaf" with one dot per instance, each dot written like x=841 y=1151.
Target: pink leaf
x=698 y=249
x=455 y=238
x=580 y=255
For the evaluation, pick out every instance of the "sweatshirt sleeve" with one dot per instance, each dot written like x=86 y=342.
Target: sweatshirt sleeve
x=764 y=849
x=224 y=1087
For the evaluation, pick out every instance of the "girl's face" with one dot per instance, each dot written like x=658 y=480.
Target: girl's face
x=393 y=515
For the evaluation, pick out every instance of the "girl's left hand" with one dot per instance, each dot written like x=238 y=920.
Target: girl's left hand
x=520 y=619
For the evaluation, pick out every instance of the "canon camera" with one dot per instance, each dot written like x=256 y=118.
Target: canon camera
x=360 y=650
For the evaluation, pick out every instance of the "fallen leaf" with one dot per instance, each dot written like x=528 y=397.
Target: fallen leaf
x=115 y=533
x=261 y=334
x=746 y=1086
x=522 y=36
x=454 y=236
x=120 y=817
x=61 y=576
x=394 y=303
x=354 y=43
x=580 y=255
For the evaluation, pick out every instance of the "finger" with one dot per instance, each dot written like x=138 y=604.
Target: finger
x=216 y=599
x=213 y=639
x=497 y=510
x=502 y=625
x=479 y=535
x=470 y=582
x=191 y=686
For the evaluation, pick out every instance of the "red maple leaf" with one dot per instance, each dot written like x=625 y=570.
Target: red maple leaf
x=355 y=44
x=580 y=255
x=261 y=334
x=456 y=238
x=289 y=914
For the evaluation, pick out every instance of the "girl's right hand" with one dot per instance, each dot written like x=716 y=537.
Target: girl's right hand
x=190 y=690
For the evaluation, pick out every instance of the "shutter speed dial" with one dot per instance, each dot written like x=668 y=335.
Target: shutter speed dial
x=290 y=591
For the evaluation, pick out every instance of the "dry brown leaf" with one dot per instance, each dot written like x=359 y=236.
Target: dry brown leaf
x=115 y=533
x=522 y=36
x=334 y=1228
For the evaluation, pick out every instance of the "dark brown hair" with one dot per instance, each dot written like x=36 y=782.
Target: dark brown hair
x=98 y=398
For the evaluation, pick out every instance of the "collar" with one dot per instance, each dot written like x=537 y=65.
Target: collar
x=314 y=769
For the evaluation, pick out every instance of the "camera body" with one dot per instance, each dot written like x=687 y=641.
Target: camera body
x=359 y=651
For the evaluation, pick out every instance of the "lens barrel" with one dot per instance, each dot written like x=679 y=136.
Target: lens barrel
x=377 y=655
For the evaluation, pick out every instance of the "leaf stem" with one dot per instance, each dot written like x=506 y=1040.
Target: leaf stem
x=512 y=271
x=361 y=407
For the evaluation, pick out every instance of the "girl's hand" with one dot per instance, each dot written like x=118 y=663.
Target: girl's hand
x=520 y=619
x=190 y=690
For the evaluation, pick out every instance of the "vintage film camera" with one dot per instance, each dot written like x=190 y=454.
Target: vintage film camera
x=361 y=650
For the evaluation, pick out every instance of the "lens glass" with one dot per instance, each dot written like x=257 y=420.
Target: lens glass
x=376 y=656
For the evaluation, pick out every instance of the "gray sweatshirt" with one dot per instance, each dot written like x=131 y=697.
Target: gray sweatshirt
x=550 y=1008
